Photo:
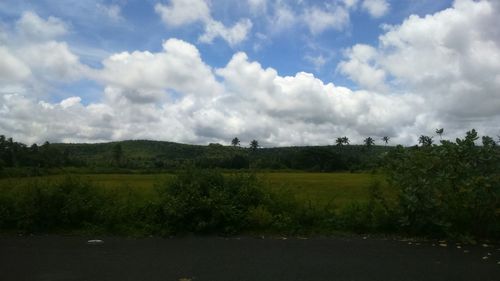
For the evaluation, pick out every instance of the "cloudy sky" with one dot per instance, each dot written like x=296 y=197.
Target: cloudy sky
x=284 y=72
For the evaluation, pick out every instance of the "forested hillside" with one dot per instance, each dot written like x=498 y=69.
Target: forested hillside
x=161 y=155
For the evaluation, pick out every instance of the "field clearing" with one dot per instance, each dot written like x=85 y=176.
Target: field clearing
x=318 y=189
x=324 y=188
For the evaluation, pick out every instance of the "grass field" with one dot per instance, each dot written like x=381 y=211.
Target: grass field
x=317 y=188
x=323 y=188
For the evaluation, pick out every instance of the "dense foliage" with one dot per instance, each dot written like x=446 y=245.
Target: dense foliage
x=195 y=201
x=160 y=156
x=16 y=154
x=448 y=189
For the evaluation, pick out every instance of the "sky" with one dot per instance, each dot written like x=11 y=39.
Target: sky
x=283 y=72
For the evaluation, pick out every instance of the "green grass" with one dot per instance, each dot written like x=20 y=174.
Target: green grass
x=324 y=188
x=317 y=188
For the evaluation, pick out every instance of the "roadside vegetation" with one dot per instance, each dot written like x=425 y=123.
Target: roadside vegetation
x=446 y=190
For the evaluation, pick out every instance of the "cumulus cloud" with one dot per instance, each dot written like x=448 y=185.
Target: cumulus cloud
x=147 y=77
x=361 y=67
x=113 y=12
x=181 y=12
x=233 y=35
x=282 y=18
x=442 y=70
x=174 y=95
x=12 y=68
x=376 y=8
x=350 y=3
x=319 y=19
x=257 y=6
x=184 y=12
x=32 y=27
x=31 y=58
x=450 y=58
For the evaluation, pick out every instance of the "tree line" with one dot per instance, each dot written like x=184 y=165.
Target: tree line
x=157 y=155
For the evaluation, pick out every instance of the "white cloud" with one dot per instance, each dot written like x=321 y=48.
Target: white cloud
x=69 y=102
x=31 y=60
x=12 y=68
x=319 y=20
x=451 y=59
x=32 y=27
x=51 y=60
x=283 y=18
x=113 y=12
x=232 y=35
x=146 y=76
x=361 y=67
x=184 y=12
x=376 y=8
x=257 y=6
x=317 y=61
x=442 y=70
x=173 y=95
x=350 y=3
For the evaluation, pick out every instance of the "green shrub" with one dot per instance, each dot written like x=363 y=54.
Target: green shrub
x=204 y=201
x=450 y=189
x=42 y=206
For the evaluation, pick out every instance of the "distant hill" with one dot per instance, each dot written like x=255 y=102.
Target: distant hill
x=170 y=155
x=162 y=155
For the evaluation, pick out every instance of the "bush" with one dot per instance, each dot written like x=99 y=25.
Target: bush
x=204 y=201
x=41 y=206
x=451 y=189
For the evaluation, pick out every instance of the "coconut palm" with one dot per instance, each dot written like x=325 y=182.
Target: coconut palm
x=339 y=141
x=369 y=142
x=440 y=132
x=386 y=139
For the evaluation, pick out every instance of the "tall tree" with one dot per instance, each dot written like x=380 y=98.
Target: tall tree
x=369 y=142
x=235 y=142
x=254 y=145
x=425 y=140
x=386 y=139
x=488 y=141
x=345 y=140
x=117 y=153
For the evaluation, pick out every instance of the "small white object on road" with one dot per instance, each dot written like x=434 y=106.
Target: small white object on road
x=95 y=242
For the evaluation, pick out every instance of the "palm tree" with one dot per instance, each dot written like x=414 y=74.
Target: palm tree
x=386 y=139
x=235 y=142
x=369 y=142
x=345 y=140
x=254 y=145
x=440 y=132
x=339 y=141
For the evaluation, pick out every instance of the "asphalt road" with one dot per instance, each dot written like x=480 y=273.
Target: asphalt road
x=54 y=258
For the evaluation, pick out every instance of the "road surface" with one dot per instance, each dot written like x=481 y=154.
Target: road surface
x=54 y=258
